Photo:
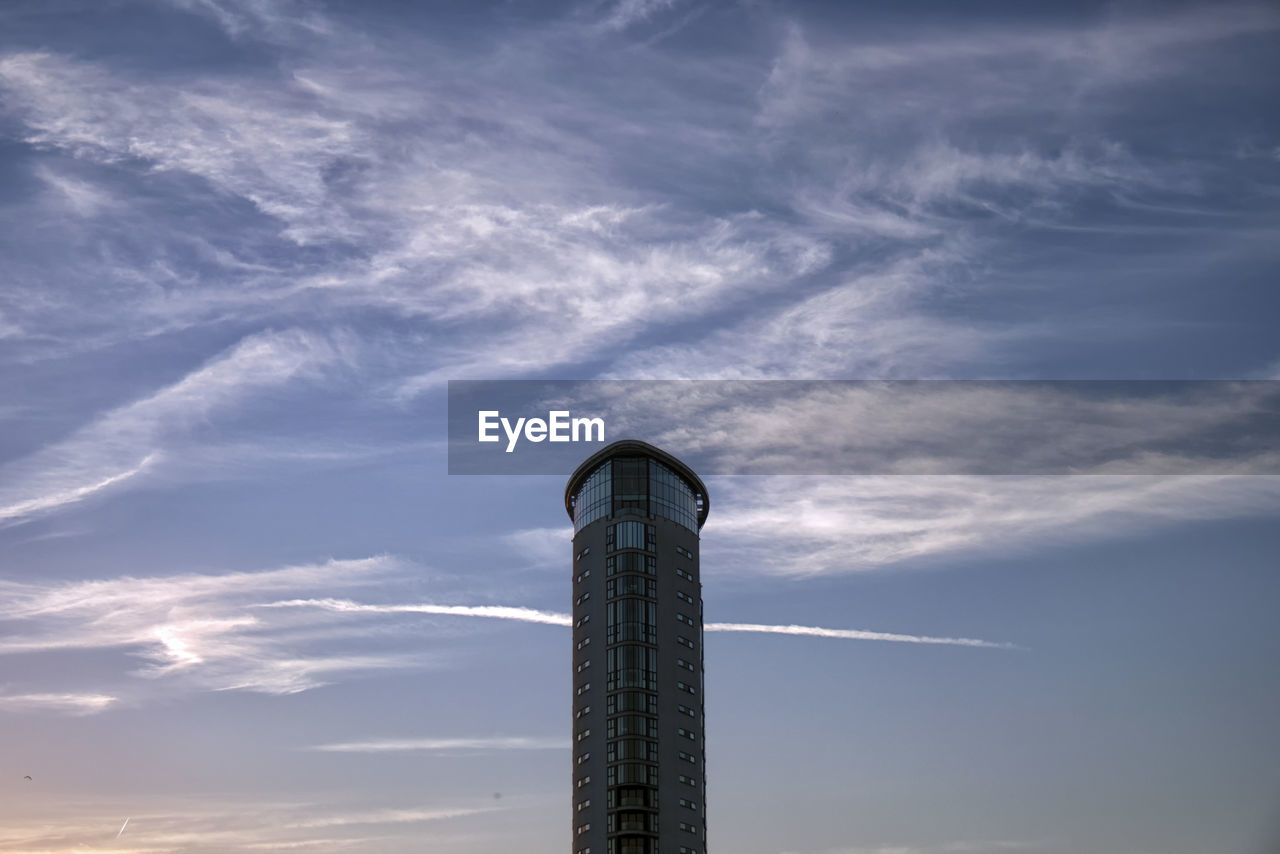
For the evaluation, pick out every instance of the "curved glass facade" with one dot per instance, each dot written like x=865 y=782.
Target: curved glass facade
x=637 y=482
x=595 y=499
x=671 y=497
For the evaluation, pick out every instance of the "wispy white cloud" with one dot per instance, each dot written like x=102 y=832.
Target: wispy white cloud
x=624 y=13
x=541 y=546
x=804 y=526
x=125 y=443
x=953 y=847
x=195 y=628
x=391 y=745
x=76 y=704
x=391 y=816
x=209 y=825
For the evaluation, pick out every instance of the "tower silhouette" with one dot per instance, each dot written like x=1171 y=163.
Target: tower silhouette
x=639 y=764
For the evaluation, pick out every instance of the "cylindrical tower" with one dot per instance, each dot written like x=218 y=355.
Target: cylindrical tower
x=639 y=764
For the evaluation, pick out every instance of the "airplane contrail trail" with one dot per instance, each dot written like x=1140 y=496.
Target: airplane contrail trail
x=530 y=615
x=122 y=827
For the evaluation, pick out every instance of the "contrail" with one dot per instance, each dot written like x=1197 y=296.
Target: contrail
x=122 y=827
x=530 y=615
x=853 y=634
x=499 y=612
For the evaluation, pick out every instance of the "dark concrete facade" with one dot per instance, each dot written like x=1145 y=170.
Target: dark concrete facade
x=639 y=764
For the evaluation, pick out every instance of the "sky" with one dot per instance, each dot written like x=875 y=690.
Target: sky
x=246 y=244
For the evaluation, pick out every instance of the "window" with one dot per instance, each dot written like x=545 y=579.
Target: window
x=584 y=597
x=680 y=639
x=632 y=666
x=683 y=574
x=584 y=553
x=680 y=662
x=682 y=618
x=633 y=845
x=688 y=781
x=687 y=757
x=632 y=748
x=584 y=688
x=683 y=850
x=633 y=701
x=584 y=781
x=583 y=828
x=584 y=665
x=680 y=594
x=584 y=757
x=671 y=497
x=632 y=796
x=684 y=552
x=584 y=642
x=688 y=828
x=632 y=822
x=584 y=734
x=631 y=585
x=684 y=732
x=631 y=562
x=632 y=724
x=583 y=620
x=582 y=805
x=583 y=576
x=585 y=710
x=631 y=535
x=632 y=620
x=684 y=710
x=631 y=773
x=686 y=687
x=594 y=499
x=684 y=802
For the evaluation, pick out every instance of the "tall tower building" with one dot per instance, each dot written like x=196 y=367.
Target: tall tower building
x=639 y=784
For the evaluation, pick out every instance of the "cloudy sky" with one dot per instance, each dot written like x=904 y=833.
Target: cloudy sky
x=245 y=244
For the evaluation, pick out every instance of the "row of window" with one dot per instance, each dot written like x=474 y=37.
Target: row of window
x=627 y=724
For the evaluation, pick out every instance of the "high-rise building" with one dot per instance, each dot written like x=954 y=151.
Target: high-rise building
x=639 y=766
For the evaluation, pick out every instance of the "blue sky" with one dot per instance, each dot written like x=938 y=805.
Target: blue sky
x=246 y=243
